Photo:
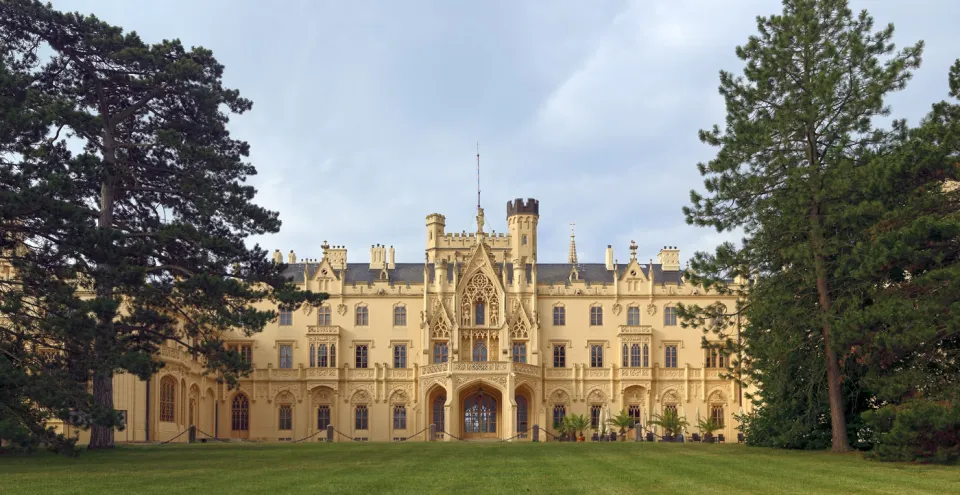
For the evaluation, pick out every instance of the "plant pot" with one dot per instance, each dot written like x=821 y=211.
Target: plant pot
x=581 y=438
x=708 y=438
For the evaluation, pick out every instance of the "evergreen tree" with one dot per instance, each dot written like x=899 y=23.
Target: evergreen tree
x=799 y=122
x=139 y=239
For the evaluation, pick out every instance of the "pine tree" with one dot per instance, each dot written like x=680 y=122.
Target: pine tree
x=141 y=238
x=798 y=122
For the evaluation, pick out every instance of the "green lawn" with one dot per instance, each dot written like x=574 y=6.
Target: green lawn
x=466 y=468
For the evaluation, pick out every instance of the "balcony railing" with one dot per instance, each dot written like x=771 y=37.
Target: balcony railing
x=323 y=330
x=636 y=329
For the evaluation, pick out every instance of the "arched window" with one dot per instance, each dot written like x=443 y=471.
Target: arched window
x=635 y=355
x=240 y=413
x=626 y=356
x=313 y=357
x=559 y=412
x=646 y=356
x=716 y=414
x=168 y=397
x=479 y=314
x=479 y=352
x=333 y=355
x=596 y=356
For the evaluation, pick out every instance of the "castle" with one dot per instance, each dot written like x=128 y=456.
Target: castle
x=480 y=340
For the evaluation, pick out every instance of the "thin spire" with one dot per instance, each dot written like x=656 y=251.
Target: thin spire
x=478 y=175
x=572 y=257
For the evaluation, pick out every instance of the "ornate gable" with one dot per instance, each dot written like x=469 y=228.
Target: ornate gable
x=325 y=271
x=634 y=272
x=480 y=289
x=440 y=324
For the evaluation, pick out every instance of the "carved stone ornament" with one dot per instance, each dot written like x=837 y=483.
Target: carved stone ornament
x=651 y=309
x=342 y=309
x=617 y=308
x=382 y=292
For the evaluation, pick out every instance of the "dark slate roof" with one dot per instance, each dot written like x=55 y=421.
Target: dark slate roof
x=547 y=273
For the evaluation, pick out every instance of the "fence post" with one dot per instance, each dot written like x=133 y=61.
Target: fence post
x=536 y=433
x=329 y=433
x=192 y=436
x=433 y=432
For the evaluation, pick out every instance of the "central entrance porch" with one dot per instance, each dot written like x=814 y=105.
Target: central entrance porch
x=481 y=415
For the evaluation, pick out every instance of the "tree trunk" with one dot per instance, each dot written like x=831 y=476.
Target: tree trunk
x=101 y=437
x=838 y=420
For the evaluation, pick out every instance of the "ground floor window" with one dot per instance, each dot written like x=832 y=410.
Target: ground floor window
x=559 y=412
x=399 y=417
x=438 y=404
x=323 y=417
x=595 y=417
x=360 y=418
x=240 y=413
x=716 y=413
x=634 y=413
x=286 y=417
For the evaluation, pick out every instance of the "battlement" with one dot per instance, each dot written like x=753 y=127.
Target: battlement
x=436 y=218
x=520 y=207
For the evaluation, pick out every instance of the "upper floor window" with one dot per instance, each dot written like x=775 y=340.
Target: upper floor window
x=596 y=356
x=400 y=316
x=479 y=352
x=669 y=316
x=245 y=351
x=633 y=316
x=361 y=356
x=523 y=239
x=670 y=356
x=399 y=356
x=596 y=316
x=559 y=316
x=715 y=358
x=440 y=352
x=635 y=355
x=319 y=356
x=323 y=315
x=286 y=317
x=479 y=314
x=519 y=352
x=559 y=356
x=362 y=317
x=646 y=356
x=286 y=356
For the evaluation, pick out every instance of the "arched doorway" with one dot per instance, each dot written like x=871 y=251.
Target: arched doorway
x=436 y=410
x=481 y=412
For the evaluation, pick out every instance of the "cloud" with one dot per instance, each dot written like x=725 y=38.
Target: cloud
x=366 y=114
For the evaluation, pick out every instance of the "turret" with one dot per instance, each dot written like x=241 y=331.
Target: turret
x=436 y=224
x=522 y=218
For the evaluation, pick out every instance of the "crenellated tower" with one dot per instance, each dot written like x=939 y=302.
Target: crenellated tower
x=522 y=218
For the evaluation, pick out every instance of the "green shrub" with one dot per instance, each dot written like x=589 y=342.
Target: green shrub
x=918 y=430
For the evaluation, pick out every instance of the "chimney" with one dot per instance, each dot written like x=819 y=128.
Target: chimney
x=392 y=264
x=378 y=257
x=277 y=256
x=609 y=257
x=669 y=259
x=291 y=258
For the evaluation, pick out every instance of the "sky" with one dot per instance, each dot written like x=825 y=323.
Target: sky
x=367 y=114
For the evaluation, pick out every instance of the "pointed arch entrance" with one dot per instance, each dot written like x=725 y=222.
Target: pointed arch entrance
x=481 y=412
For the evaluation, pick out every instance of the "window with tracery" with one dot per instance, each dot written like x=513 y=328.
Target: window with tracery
x=635 y=355
x=520 y=352
x=634 y=412
x=323 y=417
x=168 y=393
x=361 y=420
x=559 y=412
x=286 y=417
x=595 y=416
x=559 y=356
x=240 y=413
x=646 y=356
x=479 y=352
x=440 y=352
x=361 y=356
x=596 y=356
x=670 y=356
x=481 y=304
x=400 y=417
x=716 y=413
x=438 y=407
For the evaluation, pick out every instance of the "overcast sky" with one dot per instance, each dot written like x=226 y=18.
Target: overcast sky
x=366 y=114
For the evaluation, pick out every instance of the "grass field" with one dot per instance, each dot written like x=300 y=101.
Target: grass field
x=466 y=468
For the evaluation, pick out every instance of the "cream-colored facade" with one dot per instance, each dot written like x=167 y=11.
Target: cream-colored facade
x=480 y=339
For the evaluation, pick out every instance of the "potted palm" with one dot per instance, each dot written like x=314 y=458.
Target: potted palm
x=671 y=423
x=708 y=426
x=562 y=431
x=577 y=423
x=623 y=422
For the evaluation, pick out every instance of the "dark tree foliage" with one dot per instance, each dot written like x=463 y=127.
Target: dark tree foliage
x=799 y=126
x=137 y=240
